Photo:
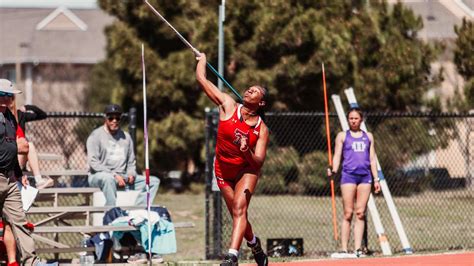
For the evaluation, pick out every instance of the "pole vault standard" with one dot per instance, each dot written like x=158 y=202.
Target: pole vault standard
x=195 y=51
x=328 y=136
x=379 y=229
x=147 y=166
x=383 y=184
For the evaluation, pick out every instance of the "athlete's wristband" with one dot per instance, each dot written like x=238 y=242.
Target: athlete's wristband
x=377 y=179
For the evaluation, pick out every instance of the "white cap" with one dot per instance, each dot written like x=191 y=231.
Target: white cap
x=7 y=86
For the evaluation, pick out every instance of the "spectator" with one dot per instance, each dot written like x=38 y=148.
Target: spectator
x=25 y=114
x=111 y=159
x=17 y=235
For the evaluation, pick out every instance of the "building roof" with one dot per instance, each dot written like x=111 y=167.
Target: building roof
x=48 y=35
x=438 y=21
x=49 y=3
x=468 y=4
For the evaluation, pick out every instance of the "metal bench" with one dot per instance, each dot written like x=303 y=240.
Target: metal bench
x=53 y=194
x=59 y=214
x=65 y=172
x=49 y=157
x=62 y=248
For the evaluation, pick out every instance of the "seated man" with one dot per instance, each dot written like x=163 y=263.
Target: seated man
x=111 y=159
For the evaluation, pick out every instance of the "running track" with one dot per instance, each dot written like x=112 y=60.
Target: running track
x=450 y=259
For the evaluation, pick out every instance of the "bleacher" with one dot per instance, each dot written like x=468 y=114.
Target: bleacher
x=59 y=219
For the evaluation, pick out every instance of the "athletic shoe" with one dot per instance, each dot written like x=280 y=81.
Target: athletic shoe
x=367 y=251
x=45 y=182
x=343 y=255
x=360 y=254
x=155 y=258
x=230 y=260
x=260 y=257
x=139 y=258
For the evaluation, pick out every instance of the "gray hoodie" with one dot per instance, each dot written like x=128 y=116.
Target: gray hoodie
x=111 y=153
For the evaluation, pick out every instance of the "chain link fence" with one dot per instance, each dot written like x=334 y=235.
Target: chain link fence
x=427 y=160
x=60 y=141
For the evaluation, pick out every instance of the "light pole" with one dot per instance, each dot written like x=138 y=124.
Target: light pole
x=221 y=44
x=217 y=197
x=20 y=59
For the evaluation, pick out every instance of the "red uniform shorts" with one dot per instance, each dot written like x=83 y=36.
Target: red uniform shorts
x=228 y=174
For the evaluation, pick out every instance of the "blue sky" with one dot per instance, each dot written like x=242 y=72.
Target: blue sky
x=49 y=3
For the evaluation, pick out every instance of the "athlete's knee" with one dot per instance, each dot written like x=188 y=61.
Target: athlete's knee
x=239 y=209
x=360 y=213
x=348 y=214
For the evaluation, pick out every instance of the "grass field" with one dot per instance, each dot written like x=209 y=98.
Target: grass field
x=433 y=221
x=186 y=208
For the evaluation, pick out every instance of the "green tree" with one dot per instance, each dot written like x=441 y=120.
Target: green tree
x=464 y=58
x=280 y=44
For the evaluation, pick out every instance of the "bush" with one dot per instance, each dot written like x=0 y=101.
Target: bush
x=278 y=169
x=313 y=175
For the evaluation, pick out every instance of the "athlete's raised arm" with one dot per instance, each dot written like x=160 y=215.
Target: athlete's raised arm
x=222 y=100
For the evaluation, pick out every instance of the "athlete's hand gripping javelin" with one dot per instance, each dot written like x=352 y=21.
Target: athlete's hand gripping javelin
x=225 y=103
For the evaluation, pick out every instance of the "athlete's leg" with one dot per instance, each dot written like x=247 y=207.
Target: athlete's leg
x=228 y=195
x=363 y=193
x=348 y=191
x=244 y=189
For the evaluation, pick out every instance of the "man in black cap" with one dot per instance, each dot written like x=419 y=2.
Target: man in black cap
x=111 y=159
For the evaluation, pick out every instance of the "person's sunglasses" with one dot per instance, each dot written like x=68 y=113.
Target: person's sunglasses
x=112 y=118
x=5 y=94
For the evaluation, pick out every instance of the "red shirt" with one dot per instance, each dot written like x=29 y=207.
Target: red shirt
x=19 y=132
x=229 y=133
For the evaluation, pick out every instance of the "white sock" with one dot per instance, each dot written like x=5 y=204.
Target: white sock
x=38 y=178
x=234 y=252
x=253 y=241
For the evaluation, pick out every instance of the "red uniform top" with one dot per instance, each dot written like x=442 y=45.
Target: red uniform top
x=229 y=134
x=19 y=132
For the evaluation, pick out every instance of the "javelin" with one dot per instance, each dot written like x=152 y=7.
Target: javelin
x=147 y=166
x=328 y=135
x=195 y=51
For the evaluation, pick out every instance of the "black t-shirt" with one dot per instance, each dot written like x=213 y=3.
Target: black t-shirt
x=8 y=148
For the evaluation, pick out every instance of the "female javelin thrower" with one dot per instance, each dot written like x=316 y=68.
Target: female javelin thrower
x=242 y=139
x=356 y=149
